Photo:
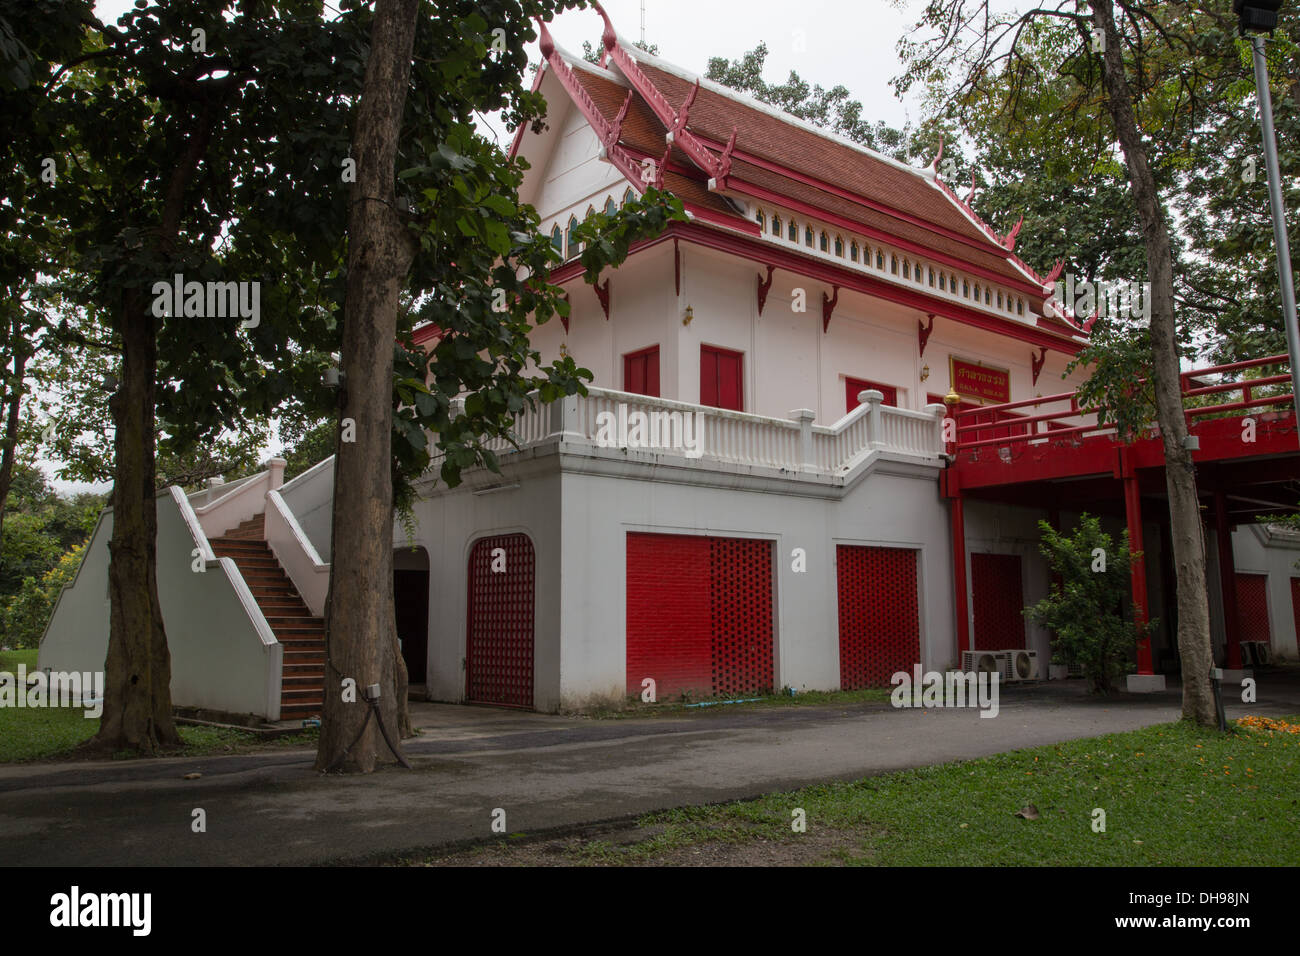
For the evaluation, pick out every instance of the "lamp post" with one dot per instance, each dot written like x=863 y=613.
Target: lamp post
x=1257 y=17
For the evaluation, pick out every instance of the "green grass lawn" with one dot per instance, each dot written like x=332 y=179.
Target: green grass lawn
x=55 y=732
x=1173 y=795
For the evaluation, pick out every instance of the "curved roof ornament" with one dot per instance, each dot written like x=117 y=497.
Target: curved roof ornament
x=545 y=39
x=1010 y=240
x=608 y=36
x=934 y=164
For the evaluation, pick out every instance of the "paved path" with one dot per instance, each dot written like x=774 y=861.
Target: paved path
x=545 y=771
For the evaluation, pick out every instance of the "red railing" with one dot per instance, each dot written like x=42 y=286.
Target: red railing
x=1022 y=429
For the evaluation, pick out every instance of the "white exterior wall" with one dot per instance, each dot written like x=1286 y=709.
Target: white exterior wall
x=449 y=524
x=223 y=655
x=1256 y=551
x=883 y=509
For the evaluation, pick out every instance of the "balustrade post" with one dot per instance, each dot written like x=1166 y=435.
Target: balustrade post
x=805 y=417
x=940 y=412
x=875 y=417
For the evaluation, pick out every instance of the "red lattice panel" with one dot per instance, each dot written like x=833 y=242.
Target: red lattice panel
x=499 y=645
x=1295 y=609
x=668 y=619
x=880 y=618
x=1252 y=607
x=740 y=592
x=998 y=599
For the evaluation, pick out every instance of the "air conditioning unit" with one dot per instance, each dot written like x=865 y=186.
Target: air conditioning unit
x=1022 y=665
x=986 y=662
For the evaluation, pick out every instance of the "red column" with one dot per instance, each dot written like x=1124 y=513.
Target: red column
x=964 y=641
x=1227 y=579
x=1138 y=570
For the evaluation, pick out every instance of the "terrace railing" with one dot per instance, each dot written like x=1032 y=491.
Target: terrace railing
x=717 y=435
x=1060 y=416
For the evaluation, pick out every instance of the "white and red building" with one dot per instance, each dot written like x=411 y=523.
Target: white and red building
x=813 y=527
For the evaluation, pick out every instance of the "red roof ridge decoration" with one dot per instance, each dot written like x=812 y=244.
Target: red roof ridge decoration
x=674 y=119
x=606 y=132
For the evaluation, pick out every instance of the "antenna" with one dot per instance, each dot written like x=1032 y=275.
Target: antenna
x=643 y=43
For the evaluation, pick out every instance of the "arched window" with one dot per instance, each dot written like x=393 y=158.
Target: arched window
x=893 y=264
x=825 y=244
x=988 y=296
x=880 y=260
x=627 y=195
x=999 y=298
x=574 y=246
x=943 y=282
x=776 y=226
x=557 y=238
x=808 y=236
x=965 y=288
x=611 y=207
x=761 y=220
x=1020 y=306
x=977 y=291
x=839 y=246
x=853 y=251
x=793 y=233
x=952 y=283
x=931 y=278
x=907 y=269
x=920 y=274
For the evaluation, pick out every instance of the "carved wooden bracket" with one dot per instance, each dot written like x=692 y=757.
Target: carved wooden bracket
x=602 y=293
x=1037 y=363
x=764 y=287
x=828 y=307
x=923 y=332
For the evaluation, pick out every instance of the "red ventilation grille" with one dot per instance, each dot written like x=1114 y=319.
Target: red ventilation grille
x=998 y=600
x=1252 y=607
x=741 y=603
x=699 y=614
x=880 y=619
x=499 y=645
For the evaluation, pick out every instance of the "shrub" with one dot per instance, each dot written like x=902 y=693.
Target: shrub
x=25 y=614
x=1085 y=608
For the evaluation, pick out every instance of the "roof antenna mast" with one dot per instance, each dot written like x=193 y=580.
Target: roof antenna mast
x=643 y=22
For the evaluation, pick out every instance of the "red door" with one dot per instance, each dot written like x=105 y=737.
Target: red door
x=641 y=372
x=721 y=378
x=1252 y=607
x=852 y=386
x=499 y=645
x=998 y=598
x=1295 y=609
x=880 y=619
x=699 y=615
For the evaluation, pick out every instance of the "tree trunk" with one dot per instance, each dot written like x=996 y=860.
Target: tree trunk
x=11 y=398
x=137 y=671
x=1180 y=476
x=360 y=626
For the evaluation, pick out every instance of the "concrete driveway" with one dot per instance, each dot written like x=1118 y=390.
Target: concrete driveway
x=544 y=771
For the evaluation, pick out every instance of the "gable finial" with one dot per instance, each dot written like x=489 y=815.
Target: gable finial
x=938 y=156
x=608 y=36
x=545 y=41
